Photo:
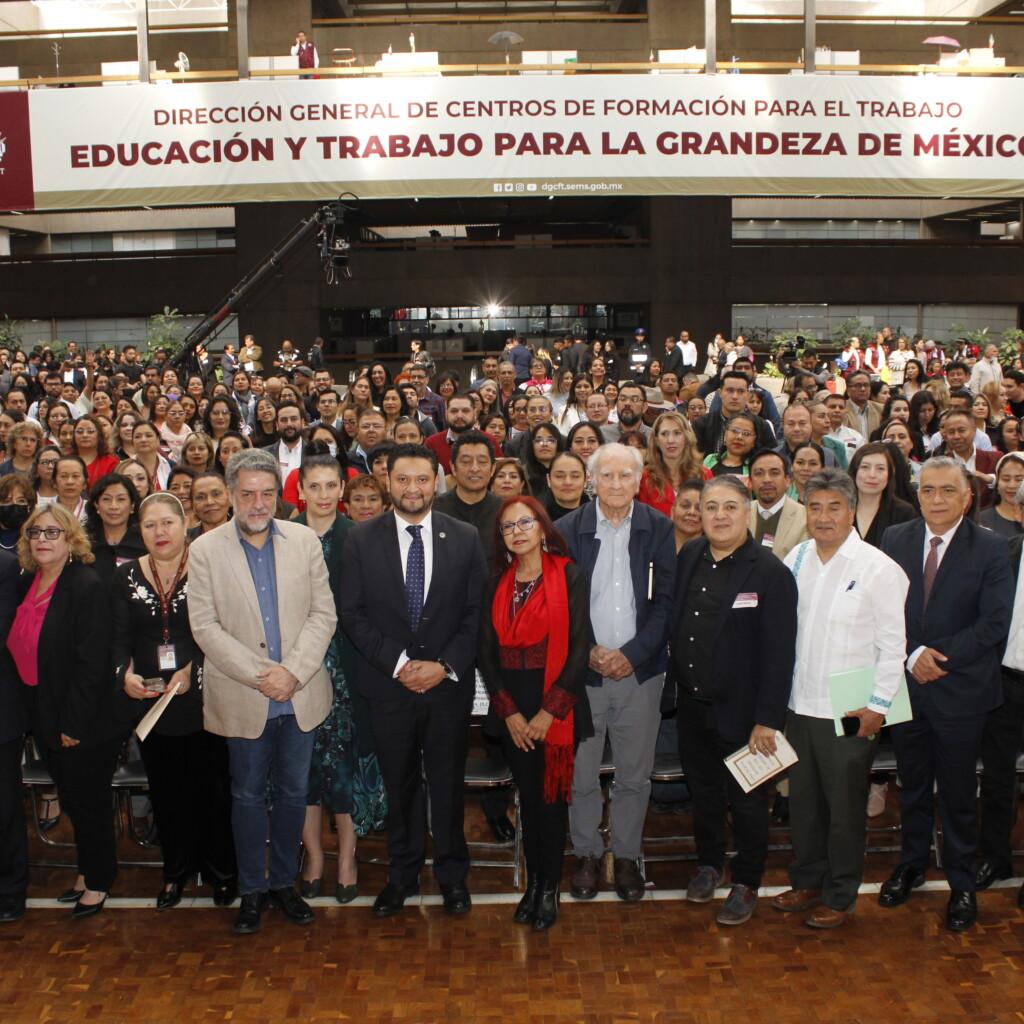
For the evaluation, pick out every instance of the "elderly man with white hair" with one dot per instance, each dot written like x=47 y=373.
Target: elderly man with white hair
x=628 y=553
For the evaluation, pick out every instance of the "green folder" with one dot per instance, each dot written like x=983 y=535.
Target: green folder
x=852 y=689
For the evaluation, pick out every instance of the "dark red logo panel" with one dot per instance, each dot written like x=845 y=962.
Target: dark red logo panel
x=16 y=192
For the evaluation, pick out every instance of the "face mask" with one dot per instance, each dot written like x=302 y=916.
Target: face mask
x=333 y=449
x=12 y=516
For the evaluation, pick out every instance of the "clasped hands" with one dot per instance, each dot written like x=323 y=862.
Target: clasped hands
x=420 y=676
x=525 y=735
x=277 y=683
x=610 y=664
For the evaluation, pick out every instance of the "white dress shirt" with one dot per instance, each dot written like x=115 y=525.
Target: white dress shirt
x=404 y=544
x=289 y=458
x=1014 y=656
x=847 y=436
x=689 y=351
x=939 y=556
x=849 y=616
x=767 y=513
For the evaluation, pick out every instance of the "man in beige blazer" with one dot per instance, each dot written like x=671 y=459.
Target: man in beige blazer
x=262 y=612
x=250 y=355
x=776 y=520
x=861 y=414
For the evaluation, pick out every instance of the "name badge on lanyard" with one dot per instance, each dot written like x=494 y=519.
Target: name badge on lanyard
x=167 y=657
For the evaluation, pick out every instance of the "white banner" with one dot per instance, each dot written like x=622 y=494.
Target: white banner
x=520 y=135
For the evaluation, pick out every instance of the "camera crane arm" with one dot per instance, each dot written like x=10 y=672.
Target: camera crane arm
x=333 y=253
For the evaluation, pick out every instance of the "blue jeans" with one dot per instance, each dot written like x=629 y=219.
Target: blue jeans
x=281 y=755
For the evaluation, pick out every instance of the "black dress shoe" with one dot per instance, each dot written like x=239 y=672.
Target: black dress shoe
x=901 y=883
x=456 y=898
x=292 y=905
x=12 y=910
x=225 y=893
x=503 y=829
x=391 y=899
x=961 y=911
x=527 y=909
x=82 y=910
x=989 y=872
x=247 y=921
x=70 y=896
x=547 y=907
x=310 y=890
x=171 y=897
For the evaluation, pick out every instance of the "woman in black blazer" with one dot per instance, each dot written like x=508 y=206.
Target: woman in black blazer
x=60 y=642
x=875 y=469
x=533 y=657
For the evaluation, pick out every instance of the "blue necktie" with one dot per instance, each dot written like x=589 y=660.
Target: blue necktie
x=415 y=574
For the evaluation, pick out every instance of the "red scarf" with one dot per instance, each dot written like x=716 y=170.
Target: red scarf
x=545 y=615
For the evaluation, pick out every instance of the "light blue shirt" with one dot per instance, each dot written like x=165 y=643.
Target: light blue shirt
x=263 y=569
x=612 y=601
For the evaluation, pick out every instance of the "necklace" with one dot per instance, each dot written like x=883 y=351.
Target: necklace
x=521 y=592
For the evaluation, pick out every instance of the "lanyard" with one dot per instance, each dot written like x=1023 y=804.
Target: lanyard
x=165 y=599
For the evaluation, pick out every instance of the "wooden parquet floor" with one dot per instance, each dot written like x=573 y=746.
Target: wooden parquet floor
x=658 y=962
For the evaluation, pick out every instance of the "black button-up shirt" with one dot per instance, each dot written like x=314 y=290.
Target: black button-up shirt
x=693 y=643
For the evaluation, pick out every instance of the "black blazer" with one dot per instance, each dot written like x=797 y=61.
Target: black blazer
x=899 y=511
x=76 y=682
x=968 y=616
x=573 y=676
x=13 y=712
x=755 y=648
x=373 y=611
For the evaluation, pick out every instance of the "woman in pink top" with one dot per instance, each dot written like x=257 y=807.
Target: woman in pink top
x=60 y=643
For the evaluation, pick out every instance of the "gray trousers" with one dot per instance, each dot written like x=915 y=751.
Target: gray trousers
x=629 y=713
x=828 y=793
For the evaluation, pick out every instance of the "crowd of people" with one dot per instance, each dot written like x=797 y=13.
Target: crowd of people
x=320 y=574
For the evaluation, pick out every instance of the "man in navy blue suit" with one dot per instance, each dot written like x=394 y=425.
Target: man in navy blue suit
x=411 y=607
x=957 y=617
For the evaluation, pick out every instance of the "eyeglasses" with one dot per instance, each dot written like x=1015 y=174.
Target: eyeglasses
x=524 y=525
x=545 y=442
x=49 y=532
x=736 y=432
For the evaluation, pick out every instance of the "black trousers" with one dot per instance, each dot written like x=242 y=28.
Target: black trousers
x=943 y=751
x=13 y=839
x=190 y=788
x=1000 y=748
x=428 y=735
x=544 y=824
x=702 y=750
x=83 y=775
x=494 y=802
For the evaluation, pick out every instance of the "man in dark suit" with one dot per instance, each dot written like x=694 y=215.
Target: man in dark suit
x=733 y=644
x=13 y=722
x=578 y=357
x=1000 y=748
x=411 y=607
x=957 y=617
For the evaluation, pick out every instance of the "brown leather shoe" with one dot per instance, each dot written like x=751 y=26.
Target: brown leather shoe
x=796 y=900
x=825 y=917
x=629 y=883
x=586 y=879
